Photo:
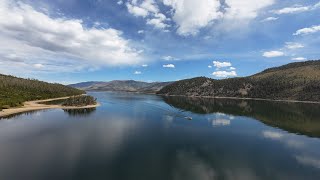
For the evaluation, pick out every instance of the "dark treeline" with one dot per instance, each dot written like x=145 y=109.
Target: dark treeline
x=14 y=91
x=295 y=81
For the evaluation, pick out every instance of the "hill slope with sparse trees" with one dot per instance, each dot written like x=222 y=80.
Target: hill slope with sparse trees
x=294 y=81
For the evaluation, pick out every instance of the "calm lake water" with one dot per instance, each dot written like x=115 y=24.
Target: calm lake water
x=147 y=137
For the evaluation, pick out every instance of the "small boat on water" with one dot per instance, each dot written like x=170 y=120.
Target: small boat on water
x=188 y=118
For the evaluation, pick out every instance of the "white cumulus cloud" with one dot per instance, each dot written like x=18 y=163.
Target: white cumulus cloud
x=150 y=6
x=219 y=64
x=245 y=9
x=150 y=10
x=309 y=30
x=137 y=72
x=137 y=11
x=290 y=10
x=228 y=72
x=224 y=74
x=271 y=54
x=30 y=33
x=299 y=59
x=191 y=15
x=293 y=45
x=270 y=19
x=169 y=58
x=39 y=66
x=168 y=66
x=297 y=9
x=157 y=23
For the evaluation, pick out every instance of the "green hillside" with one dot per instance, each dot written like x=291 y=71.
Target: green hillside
x=295 y=81
x=14 y=91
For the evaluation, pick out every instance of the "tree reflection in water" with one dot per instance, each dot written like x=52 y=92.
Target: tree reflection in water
x=80 y=112
x=300 y=118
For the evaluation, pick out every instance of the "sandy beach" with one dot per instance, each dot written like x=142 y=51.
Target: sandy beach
x=36 y=105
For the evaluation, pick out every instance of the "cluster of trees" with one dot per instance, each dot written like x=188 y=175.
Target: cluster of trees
x=80 y=101
x=295 y=81
x=14 y=91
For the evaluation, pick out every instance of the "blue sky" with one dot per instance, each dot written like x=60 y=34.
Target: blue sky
x=154 y=40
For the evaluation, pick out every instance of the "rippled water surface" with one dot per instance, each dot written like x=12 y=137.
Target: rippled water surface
x=137 y=137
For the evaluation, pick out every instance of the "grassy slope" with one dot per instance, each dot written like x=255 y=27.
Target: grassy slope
x=295 y=81
x=14 y=91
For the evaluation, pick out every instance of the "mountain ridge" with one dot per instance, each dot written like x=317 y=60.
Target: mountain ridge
x=121 y=85
x=295 y=81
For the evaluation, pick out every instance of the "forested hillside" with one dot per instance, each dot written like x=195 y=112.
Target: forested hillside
x=14 y=91
x=295 y=81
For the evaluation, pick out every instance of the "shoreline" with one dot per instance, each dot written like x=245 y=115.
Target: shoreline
x=36 y=105
x=216 y=97
x=239 y=98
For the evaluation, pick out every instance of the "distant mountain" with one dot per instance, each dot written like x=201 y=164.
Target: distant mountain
x=14 y=91
x=85 y=84
x=294 y=81
x=118 y=85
